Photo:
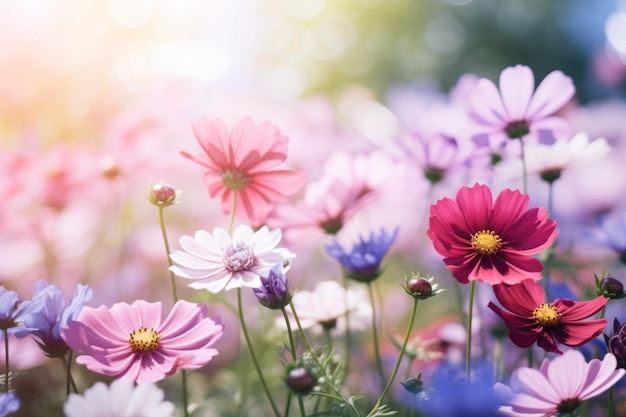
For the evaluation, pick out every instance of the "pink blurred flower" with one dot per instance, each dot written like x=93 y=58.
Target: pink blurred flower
x=218 y=261
x=134 y=342
x=532 y=320
x=558 y=386
x=490 y=241
x=516 y=110
x=349 y=183
x=241 y=161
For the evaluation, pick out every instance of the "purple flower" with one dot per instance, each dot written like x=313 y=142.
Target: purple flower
x=274 y=290
x=47 y=322
x=616 y=344
x=13 y=311
x=9 y=403
x=362 y=263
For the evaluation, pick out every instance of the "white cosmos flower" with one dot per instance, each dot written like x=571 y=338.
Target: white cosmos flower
x=551 y=160
x=218 y=261
x=121 y=399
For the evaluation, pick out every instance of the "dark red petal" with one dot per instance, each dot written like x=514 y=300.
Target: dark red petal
x=520 y=298
x=531 y=233
x=546 y=342
x=579 y=333
x=572 y=311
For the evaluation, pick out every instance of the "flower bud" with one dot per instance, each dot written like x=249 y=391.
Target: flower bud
x=420 y=286
x=414 y=385
x=274 y=290
x=301 y=380
x=163 y=194
x=610 y=287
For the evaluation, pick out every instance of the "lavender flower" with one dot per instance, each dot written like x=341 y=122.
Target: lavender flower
x=13 y=311
x=46 y=323
x=9 y=403
x=362 y=263
x=274 y=290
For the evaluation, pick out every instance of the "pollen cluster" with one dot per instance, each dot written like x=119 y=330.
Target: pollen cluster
x=144 y=340
x=238 y=257
x=234 y=179
x=486 y=242
x=547 y=315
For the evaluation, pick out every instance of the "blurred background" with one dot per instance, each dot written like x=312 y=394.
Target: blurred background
x=67 y=67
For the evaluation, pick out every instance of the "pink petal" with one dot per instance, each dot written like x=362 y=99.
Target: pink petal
x=508 y=207
x=601 y=375
x=535 y=384
x=552 y=94
x=567 y=374
x=475 y=205
x=486 y=105
x=516 y=86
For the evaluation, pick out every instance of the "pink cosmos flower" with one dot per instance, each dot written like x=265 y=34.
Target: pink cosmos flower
x=530 y=319
x=558 y=386
x=489 y=241
x=220 y=262
x=134 y=342
x=241 y=161
x=516 y=110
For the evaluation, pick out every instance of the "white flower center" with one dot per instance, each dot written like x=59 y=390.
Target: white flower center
x=238 y=257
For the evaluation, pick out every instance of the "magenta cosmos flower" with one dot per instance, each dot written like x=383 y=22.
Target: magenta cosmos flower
x=490 y=241
x=517 y=110
x=532 y=320
x=242 y=161
x=134 y=342
x=559 y=386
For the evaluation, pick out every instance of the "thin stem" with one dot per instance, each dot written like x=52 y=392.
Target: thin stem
x=6 y=359
x=348 y=335
x=399 y=360
x=524 y=175
x=231 y=221
x=183 y=373
x=468 y=346
x=379 y=364
x=338 y=395
x=610 y=404
x=246 y=336
x=167 y=252
x=292 y=349
x=69 y=380
x=530 y=357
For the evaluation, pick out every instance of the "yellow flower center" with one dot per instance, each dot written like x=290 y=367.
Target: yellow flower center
x=486 y=242
x=234 y=179
x=547 y=315
x=144 y=340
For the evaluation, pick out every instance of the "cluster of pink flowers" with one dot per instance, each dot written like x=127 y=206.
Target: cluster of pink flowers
x=417 y=201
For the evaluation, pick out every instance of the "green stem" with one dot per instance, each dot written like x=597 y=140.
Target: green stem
x=69 y=380
x=379 y=364
x=167 y=252
x=610 y=404
x=183 y=372
x=246 y=336
x=524 y=175
x=398 y=361
x=468 y=346
x=530 y=357
x=6 y=359
x=337 y=394
x=292 y=349
x=348 y=336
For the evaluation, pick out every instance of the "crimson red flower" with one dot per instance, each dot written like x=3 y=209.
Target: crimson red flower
x=490 y=241
x=530 y=319
x=242 y=161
